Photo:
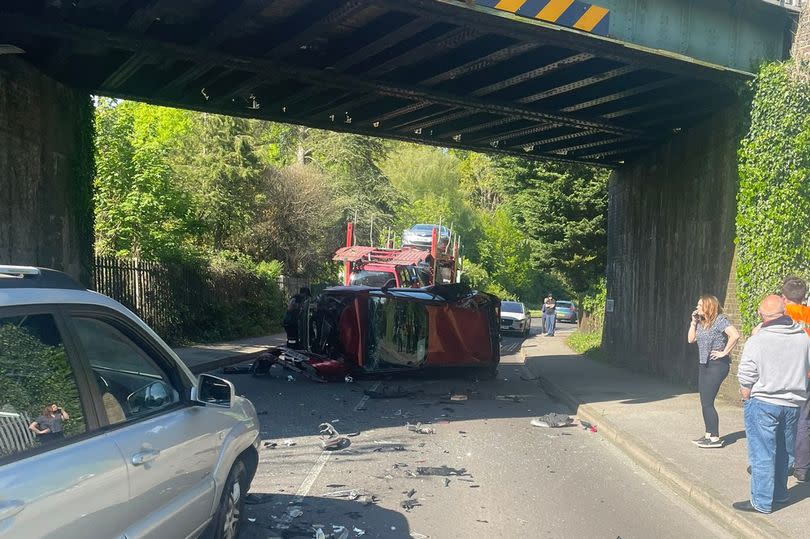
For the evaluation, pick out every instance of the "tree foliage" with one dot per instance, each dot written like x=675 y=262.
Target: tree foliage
x=773 y=203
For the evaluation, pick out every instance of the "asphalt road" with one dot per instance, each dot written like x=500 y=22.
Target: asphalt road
x=486 y=472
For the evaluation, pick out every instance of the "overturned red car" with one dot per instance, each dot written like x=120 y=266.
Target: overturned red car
x=359 y=330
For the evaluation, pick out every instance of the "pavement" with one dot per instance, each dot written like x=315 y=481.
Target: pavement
x=653 y=422
x=207 y=357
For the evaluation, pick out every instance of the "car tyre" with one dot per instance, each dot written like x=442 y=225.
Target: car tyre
x=230 y=512
x=526 y=331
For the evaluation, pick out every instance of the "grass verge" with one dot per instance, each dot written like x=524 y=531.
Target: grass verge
x=587 y=343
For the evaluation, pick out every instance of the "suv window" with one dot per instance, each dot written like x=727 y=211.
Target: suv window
x=39 y=397
x=131 y=385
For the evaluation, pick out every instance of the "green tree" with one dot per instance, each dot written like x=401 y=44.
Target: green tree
x=140 y=211
x=563 y=209
x=220 y=170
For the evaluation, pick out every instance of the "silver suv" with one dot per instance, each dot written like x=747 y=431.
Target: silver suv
x=104 y=432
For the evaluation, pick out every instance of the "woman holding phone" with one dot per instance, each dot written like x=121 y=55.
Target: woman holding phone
x=49 y=426
x=716 y=338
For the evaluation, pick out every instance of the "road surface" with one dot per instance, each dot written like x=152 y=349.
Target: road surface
x=486 y=472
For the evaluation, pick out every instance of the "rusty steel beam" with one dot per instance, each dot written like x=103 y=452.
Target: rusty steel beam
x=478 y=64
x=386 y=42
x=450 y=40
x=644 y=88
x=576 y=85
x=560 y=138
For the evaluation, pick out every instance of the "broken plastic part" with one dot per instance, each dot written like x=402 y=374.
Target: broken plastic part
x=348 y=379
x=419 y=429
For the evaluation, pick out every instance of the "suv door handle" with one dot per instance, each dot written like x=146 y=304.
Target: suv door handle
x=142 y=457
x=10 y=508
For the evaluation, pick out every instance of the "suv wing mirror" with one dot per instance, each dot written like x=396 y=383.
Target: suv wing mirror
x=213 y=391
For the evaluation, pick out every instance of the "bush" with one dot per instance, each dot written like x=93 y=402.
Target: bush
x=587 y=343
x=773 y=203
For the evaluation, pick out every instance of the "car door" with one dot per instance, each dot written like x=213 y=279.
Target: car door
x=169 y=446
x=52 y=486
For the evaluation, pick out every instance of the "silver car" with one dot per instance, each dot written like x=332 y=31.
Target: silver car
x=421 y=237
x=104 y=432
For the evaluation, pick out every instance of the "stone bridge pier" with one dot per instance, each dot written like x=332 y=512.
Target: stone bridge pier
x=46 y=157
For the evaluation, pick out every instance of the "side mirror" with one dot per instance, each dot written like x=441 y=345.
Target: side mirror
x=213 y=391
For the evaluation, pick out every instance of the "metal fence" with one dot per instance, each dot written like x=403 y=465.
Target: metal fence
x=183 y=302
x=15 y=436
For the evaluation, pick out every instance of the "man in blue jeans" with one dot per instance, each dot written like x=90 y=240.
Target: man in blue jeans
x=549 y=315
x=773 y=384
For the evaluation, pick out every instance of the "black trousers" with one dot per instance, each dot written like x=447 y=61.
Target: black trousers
x=710 y=376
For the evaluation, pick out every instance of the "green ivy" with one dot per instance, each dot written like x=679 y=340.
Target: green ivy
x=773 y=203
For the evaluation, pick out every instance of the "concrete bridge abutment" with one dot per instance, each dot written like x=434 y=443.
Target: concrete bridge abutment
x=671 y=230
x=46 y=171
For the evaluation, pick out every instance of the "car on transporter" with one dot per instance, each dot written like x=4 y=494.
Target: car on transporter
x=104 y=432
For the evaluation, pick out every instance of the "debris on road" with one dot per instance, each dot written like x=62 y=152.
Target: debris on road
x=358 y=532
x=290 y=378
x=332 y=440
x=409 y=493
x=269 y=445
x=458 y=397
x=553 y=420
x=348 y=379
x=294 y=511
x=441 y=471
x=419 y=429
x=289 y=443
x=587 y=426
x=409 y=504
x=446 y=482
x=389 y=392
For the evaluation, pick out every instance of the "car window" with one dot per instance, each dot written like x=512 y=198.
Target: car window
x=370 y=278
x=511 y=307
x=564 y=304
x=39 y=396
x=131 y=385
x=398 y=333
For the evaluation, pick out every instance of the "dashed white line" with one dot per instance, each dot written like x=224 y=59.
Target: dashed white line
x=317 y=468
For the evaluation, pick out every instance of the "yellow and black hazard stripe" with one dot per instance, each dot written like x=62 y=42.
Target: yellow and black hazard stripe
x=571 y=13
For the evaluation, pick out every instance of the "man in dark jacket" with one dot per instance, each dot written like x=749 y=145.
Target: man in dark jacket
x=773 y=385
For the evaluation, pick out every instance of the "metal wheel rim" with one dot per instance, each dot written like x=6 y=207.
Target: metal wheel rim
x=232 y=514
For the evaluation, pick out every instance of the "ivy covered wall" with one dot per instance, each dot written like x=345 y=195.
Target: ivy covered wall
x=773 y=201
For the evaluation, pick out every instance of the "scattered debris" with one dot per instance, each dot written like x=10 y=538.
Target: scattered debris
x=319 y=533
x=290 y=378
x=441 y=471
x=250 y=519
x=409 y=493
x=419 y=429
x=289 y=443
x=415 y=535
x=358 y=532
x=389 y=392
x=458 y=397
x=553 y=420
x=409 y=504
x=513 y=398
x=446 y=482
x=332 y=440
x=257 y=498
x=294 y=511
x=270 y=445
x=348 y=379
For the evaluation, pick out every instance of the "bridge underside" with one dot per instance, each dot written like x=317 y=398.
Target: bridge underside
x=436 y=72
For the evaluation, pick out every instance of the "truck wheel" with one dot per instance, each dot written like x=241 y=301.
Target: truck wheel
x=229 y=517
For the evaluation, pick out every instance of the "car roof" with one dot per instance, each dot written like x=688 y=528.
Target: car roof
x=512 y=301
x=42 y=288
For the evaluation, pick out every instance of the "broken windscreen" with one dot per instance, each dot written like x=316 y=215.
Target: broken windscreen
x=397 y=336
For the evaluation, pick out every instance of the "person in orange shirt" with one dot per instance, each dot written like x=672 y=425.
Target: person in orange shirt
x=794 y=291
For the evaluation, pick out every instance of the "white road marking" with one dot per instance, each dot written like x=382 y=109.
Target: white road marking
x=362 y=403
x=319 y=465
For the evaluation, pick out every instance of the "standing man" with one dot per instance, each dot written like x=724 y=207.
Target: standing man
x=794 y=290
x=773 y=384
x=549 y=315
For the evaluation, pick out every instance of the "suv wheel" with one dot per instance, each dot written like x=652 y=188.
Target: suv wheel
x=228 y=519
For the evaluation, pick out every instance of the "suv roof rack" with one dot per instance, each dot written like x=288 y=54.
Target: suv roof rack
x=32 y=277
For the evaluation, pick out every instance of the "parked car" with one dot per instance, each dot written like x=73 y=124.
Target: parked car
x=566 y=311
x=104 y=432
x=515 y=317
x=421 y=236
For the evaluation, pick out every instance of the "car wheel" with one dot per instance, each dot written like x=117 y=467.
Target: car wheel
x=228 y=519
x=526 y=331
